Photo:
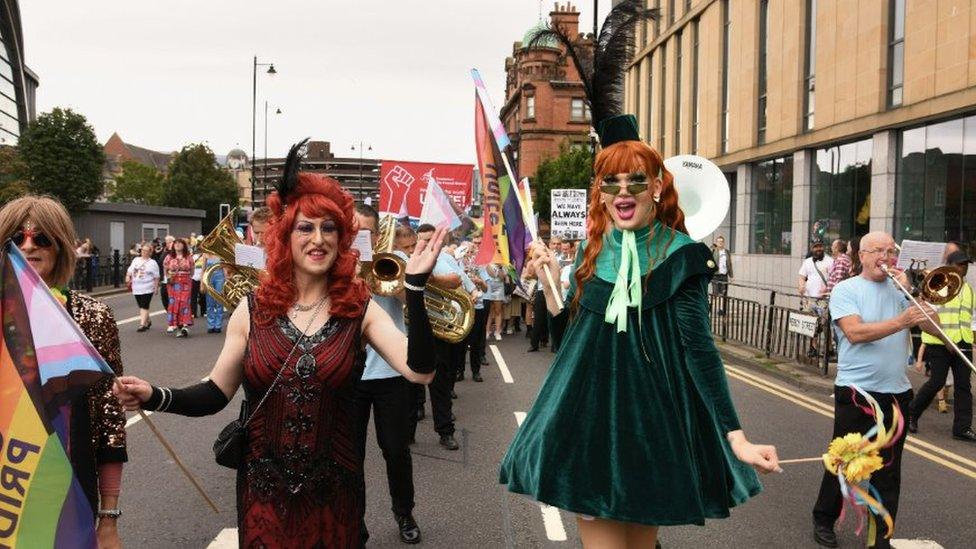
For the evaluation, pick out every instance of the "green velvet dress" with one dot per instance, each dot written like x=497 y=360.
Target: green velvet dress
x=631 y=426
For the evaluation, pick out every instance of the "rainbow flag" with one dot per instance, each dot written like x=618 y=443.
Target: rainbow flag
x=45 y=363
x=503 y=218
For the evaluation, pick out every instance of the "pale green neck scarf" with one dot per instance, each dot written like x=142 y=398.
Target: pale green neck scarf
x=627 y=253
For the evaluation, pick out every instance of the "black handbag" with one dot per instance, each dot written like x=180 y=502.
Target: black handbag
x=231 y=443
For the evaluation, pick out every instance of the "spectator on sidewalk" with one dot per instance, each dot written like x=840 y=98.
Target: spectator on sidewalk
x=723 y=263
x=840 y=270
x=813 y=287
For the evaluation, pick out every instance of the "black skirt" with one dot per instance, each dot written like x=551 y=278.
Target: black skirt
x=143 y=300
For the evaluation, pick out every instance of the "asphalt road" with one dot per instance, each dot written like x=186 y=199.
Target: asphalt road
x=460 y=504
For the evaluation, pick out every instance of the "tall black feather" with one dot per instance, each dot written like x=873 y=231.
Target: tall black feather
x=289 y=177
x=603 y=72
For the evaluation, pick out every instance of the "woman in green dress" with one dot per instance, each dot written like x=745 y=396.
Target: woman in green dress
x=634 y=426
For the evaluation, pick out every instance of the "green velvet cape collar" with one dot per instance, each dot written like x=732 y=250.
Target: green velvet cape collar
x=654 y=245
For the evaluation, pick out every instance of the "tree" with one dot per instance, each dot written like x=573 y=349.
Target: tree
x=140 y=184
x=63 y=158
x=571 y=169
x=13 y=175
x=196 y=181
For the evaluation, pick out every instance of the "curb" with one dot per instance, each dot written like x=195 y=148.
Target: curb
x=791 y=373
x=105 y=293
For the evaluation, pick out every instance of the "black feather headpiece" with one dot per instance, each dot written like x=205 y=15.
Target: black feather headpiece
x=603 y=71
x=293 y=164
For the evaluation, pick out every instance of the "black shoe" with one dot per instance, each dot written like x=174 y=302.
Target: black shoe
x=968 y=435
x=476 y=378
x=421 y=414
x=459 y=376
x=533 y=349
x=181 y=332
x=142 y=328
x=453 y=394
x=912 y=425
x=409 y=531
x=217 y=330
x=824 y=535
x=448 y=442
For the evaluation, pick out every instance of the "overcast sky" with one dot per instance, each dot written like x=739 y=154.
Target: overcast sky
x=392 y=73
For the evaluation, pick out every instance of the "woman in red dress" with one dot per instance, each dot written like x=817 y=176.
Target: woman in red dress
x=300 y=340
x=179 y=270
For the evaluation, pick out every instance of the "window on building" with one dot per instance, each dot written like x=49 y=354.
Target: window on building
x=811 y=65
x=657 y=20
x=694 y=86
x=530 y=106
x=151 y=231
x=727 y=228
x=638 y=75
x=763 y=39
x=579 y=111
x=677 y=92
x=9 y=125
x=772 y=206
x=671 y=9
x=726 y=51
x=935 y=182
x=664 y=93
x=649 y=123
x=840 y=201
x=687 y=7
x=896 y=51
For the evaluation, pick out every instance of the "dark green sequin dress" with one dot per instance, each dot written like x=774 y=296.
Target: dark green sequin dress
x=631 y=426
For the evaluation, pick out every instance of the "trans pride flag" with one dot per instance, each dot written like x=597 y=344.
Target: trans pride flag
x=45 y=363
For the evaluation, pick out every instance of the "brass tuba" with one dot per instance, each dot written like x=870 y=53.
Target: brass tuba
x=384 y=275
x=239 y=280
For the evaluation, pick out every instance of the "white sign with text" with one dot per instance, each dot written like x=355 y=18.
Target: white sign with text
x=803 y=324
x=568 y=213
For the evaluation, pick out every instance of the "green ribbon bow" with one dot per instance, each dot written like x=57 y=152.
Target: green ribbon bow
x=627 y=289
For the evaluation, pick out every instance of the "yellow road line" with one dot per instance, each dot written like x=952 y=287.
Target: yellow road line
x=822 y=409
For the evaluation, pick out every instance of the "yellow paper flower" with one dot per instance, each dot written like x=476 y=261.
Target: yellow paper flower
x=850 y=453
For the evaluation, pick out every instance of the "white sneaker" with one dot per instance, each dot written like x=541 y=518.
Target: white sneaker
x=171 y=329
x=498 y=336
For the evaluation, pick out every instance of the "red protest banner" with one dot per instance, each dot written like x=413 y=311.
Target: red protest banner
x=405 y=184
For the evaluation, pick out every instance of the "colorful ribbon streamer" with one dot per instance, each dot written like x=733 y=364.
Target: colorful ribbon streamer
x=854 y=457
x=627 y=289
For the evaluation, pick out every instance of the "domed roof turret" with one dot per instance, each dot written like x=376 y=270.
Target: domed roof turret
x=548 y=42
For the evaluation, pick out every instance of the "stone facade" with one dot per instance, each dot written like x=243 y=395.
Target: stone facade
x=852 y=69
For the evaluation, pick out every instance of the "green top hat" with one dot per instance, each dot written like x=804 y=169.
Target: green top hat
x=622 y=127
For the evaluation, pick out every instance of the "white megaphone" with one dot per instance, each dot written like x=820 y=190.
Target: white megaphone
x=703 y=193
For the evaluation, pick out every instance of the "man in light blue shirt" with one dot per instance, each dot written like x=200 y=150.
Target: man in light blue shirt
x=872 y=319
x=390 y=397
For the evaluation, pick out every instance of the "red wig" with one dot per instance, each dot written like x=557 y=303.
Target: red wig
x=315 y=196
x=625 y=157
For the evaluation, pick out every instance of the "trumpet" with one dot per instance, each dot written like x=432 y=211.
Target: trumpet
x=451 y=311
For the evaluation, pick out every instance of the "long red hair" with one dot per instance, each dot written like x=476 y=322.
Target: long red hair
x=624 y=157
x=315 y=196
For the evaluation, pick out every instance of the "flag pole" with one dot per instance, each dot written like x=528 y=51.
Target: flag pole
x=557 y=295
x=172 y=453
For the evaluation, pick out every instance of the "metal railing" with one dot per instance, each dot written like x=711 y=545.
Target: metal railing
x=98 y=271
x=764 y=323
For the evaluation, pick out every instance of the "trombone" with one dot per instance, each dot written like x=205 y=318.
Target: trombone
x=936 y=286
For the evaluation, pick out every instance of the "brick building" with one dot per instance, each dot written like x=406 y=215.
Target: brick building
x=359 y=176
x=828 y=118
x=545 y=104
x=118 y=151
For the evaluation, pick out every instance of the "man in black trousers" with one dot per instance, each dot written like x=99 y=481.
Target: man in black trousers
x=390 y=397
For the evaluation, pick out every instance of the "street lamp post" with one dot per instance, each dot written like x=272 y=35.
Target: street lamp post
x=277 y=111
x=369 y=148
x=254 y=109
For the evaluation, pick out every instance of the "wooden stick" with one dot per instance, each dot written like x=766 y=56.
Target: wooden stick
x=801 y=460
x=557 y=293
x=179 y=462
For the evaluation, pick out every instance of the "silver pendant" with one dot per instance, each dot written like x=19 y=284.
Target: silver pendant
x=306 y=366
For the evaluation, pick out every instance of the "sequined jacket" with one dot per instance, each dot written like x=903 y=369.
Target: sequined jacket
x=106 y=416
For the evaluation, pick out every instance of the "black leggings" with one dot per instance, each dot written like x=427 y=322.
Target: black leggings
x=143 y=300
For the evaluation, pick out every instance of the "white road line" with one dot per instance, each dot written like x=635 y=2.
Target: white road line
x=915 y=544
x=506 y=375
x=135 y=318
x=551 y=518
x=226 y=539
x=135 y=419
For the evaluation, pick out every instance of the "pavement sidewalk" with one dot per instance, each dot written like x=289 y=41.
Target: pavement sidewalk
x=801 y=376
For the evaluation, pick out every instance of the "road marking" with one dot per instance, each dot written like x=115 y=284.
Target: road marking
x=551 y=518
x=135 y=318
x=226 y=539
x=506 y=375
x=915 y=544
x=826 y=411
x=135 y=419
